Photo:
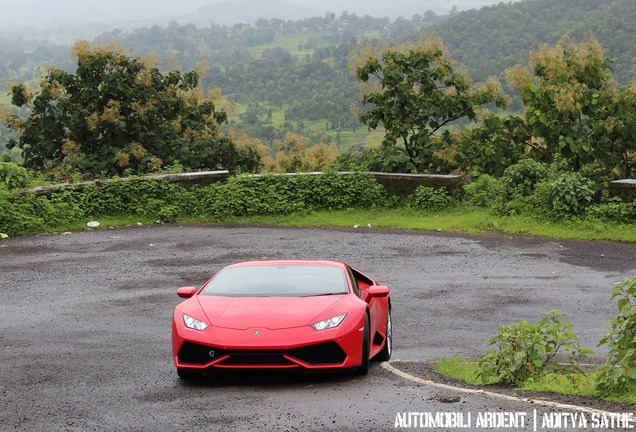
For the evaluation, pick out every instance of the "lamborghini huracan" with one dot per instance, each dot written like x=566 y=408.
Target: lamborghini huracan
x=296 y=314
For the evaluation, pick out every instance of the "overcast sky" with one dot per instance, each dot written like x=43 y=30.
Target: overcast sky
x=38 y=17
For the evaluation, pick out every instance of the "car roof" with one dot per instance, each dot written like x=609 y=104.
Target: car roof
x=324 y=263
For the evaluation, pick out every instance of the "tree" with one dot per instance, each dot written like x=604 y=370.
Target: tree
x=430 y=15
x=118 y=112
x=573 y=106
x=414 y=91
x=622 y=130
x=500 y=141
x=295 y=155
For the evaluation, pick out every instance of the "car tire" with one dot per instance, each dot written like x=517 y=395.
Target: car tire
x=187 y=374
x=386 y=352
x=363 y=369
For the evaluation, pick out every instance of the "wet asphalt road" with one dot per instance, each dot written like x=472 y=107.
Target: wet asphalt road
x=85 y=323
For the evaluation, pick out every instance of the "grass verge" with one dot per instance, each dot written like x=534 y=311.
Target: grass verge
x=104 y=222
x=468 y=371
x=458 y=219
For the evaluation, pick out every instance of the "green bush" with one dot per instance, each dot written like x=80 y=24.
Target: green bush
x=13 y=176
x=247 y=195
x=618 y=372
x=614 y=210
x=527 y=351
x=61 y=208
x=147 y=198
x=484 y=191
x=428 y=198
x=520 y=179
x=157 y=199
x=282 y=194
x=19 y=214
x=533 y=187
x=567 y=195
x=519 y=188
x=570 y=194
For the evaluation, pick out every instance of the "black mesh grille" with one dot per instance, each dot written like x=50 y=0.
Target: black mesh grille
x=192 y=353
x=324 y=353
x=256 y=358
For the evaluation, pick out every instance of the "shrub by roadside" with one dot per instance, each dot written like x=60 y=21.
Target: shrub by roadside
x=155 y=199
x=530 y=192
x=539 y=190
x=618 y=372
x=524 y=351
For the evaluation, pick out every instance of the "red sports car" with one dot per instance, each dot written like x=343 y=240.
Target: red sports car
x=282 y=314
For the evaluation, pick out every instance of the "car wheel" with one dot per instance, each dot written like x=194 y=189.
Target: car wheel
x=386 y=352
x=187 y=374
x=364 y=366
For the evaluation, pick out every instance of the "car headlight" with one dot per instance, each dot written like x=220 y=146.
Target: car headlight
x=329 y=323
x=194 y=323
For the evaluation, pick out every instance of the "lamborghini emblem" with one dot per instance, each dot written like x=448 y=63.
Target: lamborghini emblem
x=257 y=332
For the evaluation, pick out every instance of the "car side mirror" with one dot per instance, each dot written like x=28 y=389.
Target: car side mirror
x=186 y=292
x=378 y=291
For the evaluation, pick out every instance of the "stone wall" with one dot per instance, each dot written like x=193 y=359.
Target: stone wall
x=403 y=184
x=624 y=189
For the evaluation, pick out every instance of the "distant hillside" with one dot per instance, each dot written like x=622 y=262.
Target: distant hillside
x=493 y=38
x=282 y=75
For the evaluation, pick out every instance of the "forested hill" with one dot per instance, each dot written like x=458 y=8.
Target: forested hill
x=285 y=76
x=492 y=38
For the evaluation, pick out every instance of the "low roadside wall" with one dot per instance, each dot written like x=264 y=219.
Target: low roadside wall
x=201 y=178
x=405 y=184
x=402 y=184
x=624 y=189
x=395 y=184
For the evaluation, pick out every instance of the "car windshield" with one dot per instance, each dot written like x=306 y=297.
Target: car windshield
x=287 y=280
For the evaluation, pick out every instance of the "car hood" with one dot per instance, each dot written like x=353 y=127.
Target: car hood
x=273 y=313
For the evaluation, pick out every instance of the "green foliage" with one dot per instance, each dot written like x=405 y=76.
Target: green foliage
x=281 y=194
x=176 y=167
x=523 y=188
x=298 y=69
x=116 y=113
x=410 y=100
x=537 y=188
x=570 y=194
x=32 y=212
x=428 y=198
x=527 y=351
x=20 y=215
x=614 y=210
x=467 y=371
x=246 y=195
x=490 y=39
x=154 y=199
x=483 y=192
x=618 y=372
x=520 y=179
x=574 y=107
x=388 y=159
x=334 y=191
x=490 y=148
x=164 y=201
x=13 y=176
